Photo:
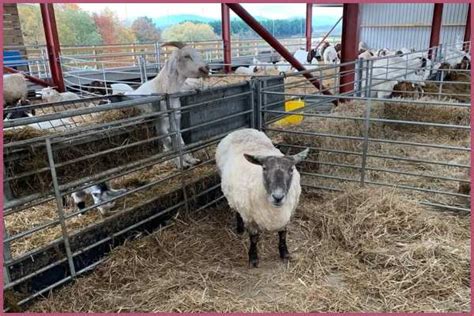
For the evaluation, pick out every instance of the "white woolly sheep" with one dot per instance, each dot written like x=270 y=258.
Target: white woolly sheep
x=14 y=88
x=260 y=183
x=50 y=95
x=248 y=71
x=330 y=55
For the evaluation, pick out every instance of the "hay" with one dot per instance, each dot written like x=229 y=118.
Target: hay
x=364 y=250
x=24 y=133
x=47 y=212
x=459 y=89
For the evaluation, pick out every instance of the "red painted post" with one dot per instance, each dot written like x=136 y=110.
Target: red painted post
x=226 y=38
x=52 y=44
x=273 y=42
x=467 y=30
x=435 y=27
x=309 y=25
x=350 y=27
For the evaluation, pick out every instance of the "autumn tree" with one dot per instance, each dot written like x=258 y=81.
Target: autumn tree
x=31 y=24
x=111 y=29
x=189 y=31
x=145 y=30
x=75 y=26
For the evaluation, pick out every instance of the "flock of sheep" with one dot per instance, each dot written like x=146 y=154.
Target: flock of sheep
x=260 y=183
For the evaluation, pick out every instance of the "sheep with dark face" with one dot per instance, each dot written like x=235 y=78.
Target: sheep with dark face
x=261 y=184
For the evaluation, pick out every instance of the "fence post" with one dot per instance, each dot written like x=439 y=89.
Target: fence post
x=258 y=108
x=157 y=57
x=359 y=65
x=175 y=127
x=365 y=145
x=59 y=202
x=7 y=194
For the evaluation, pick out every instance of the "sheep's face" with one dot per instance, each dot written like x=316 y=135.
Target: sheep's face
x=190 y=63
x=48 y=93
x=277 y=174
x=101 y=193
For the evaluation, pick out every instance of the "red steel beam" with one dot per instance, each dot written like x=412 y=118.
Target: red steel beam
x=30 y=78
x=52 y=44
x=273 y=42
x=309 y=25
x=226 y=38
x=467 y=30
x=436 y=27
x=350 y=27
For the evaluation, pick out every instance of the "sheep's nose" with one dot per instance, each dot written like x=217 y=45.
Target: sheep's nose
x=204 y=69
x=278 y=197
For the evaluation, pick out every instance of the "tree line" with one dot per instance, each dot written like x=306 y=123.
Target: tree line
x=78 y=27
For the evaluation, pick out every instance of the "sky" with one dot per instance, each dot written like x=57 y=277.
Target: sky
x=211 y=10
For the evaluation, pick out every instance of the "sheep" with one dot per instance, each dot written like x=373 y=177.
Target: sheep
x=58 y=124
x=98 y=87
x=248 y=71
x=366 y=55
x=387 y=72
x=405 y=89
x=13 y=113
x=261 y=184
x=282 y=66
x=194 y=84
x=121 y=88
x=363 y=47
x=49 y=95
x=14 y=88
x=100 y=193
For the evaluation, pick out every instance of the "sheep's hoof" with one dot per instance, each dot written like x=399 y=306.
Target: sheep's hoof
x=253 y=263
x=240 y=229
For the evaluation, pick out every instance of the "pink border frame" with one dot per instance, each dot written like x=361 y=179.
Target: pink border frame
x=234 y=1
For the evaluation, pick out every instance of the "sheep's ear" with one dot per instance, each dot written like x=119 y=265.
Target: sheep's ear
x=176 y=44
x=299 y=157
x=256 y=160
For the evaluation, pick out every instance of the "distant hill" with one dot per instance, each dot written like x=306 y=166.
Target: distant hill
x=165 y=21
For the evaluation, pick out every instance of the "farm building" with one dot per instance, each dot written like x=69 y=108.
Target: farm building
x=113 y=200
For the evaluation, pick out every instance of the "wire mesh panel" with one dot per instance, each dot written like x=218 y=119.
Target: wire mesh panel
x=50 y=237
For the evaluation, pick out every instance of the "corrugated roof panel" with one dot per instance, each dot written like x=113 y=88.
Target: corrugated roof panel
x=408 y=25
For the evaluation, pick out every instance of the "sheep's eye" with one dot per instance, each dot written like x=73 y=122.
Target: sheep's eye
x=188 y=57
x=264 y=168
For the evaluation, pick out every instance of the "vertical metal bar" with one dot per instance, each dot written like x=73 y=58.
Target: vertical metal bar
x=226 y=41
x=52 y=44
x=365 y=145
x=440 y=89
x=359 y=65
x=105 y=79
x=7 y=255
x=435 y=27
x=252 y=103
x=157 y=57
x=176 y=129
x=309 y=25
x=259 y=104
x=467 y=30
x=59 y=202
x=144 y=65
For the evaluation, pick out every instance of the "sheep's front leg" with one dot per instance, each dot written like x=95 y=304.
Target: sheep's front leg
x=188 y=158
x=240 y=224
x=284 y=254
x=253 y=252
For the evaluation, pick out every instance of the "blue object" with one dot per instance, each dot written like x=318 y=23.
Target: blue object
x=13 y=58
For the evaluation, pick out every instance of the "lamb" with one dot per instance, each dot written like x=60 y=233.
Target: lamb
x=49 y=95
x=248 y=71
x=100 y=193
x=185 y=62
x=17 y=113
x=261 y=184
x=363 y=47
x=387 y=72
x=366 y=55
x=121 y=88
x=405 y=89
x=14 y=89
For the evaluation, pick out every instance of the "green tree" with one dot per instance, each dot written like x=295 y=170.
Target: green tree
x=75 y=26
x=145 y=30
x=31 y=24
x=189 y=31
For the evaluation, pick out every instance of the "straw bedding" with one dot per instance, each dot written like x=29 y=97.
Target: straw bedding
x=364 y=250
